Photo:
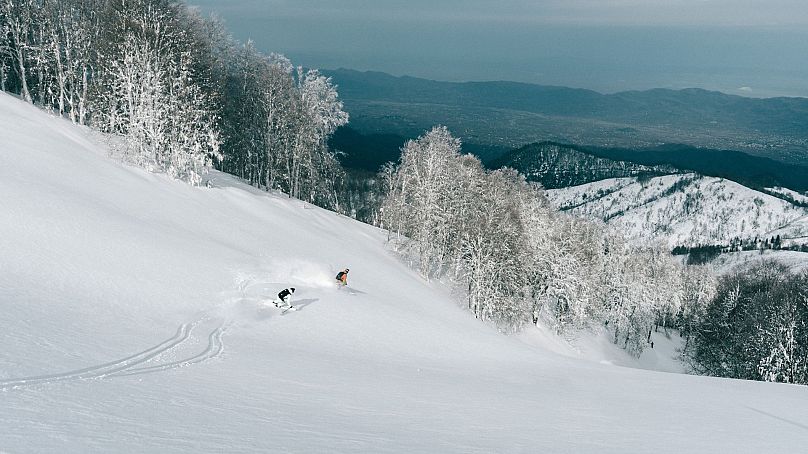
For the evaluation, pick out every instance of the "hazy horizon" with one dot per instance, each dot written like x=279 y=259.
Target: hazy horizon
x=743 y=47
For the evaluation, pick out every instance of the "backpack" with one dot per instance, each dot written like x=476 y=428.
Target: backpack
x=340 y=274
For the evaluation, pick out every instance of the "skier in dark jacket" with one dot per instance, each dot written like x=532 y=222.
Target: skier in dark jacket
x=285 y=297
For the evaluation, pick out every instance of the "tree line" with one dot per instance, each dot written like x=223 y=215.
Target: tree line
x=517 y=259
x=705 y=253
x=183 y=94
x=755 y=328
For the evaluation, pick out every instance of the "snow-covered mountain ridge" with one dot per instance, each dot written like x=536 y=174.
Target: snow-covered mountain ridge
x=557 y=166
x=685 y=210
x=133 y=321
x=789 y=195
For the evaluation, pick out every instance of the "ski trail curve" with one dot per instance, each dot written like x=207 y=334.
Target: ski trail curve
x=214 y=348
x=101 y=370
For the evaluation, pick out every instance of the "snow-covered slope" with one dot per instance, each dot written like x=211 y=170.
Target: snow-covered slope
x=724 y=263
x=132 y=322
x=683 y=210
x=789 y=194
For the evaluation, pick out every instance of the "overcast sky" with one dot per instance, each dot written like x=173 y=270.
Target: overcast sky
x=751 y=47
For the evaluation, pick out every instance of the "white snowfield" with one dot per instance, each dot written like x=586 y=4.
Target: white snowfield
x=132 y=321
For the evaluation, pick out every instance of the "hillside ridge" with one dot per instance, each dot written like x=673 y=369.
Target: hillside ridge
x=684 y=210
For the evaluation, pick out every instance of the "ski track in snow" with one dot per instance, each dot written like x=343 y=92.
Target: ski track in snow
x=214 y=349
x=128 y=366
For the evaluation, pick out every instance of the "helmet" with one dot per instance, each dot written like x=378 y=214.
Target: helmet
x=292 y=289
x=346 y=270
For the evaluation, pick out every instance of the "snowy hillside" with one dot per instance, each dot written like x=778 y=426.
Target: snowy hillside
x=133 y=321
x=557 y=166
x=789 y=194
x=796 y=261
x=684 y=210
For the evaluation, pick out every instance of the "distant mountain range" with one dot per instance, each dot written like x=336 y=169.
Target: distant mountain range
x=509 y=114
x=685 y=168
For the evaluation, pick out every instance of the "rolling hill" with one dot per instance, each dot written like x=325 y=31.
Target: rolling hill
x=557 y=165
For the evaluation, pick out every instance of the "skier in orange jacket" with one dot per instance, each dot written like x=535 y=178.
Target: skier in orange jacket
x=342 y=277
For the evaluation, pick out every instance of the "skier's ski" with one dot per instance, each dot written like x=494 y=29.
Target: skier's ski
x=284 y=306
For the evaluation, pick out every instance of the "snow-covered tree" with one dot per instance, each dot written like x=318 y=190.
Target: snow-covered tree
x=48 y=51
x=147 y=94
x=277 y=120
x=494 y=253
x=313 y=167
x=512 y=256
x=698 y=286
x=756 y=327
x=178 y=88
x=419 y=205
x=245 y=125
x=785 y=334
x=20 y=21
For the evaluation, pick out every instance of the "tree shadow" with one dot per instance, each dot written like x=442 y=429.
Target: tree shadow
x=793 y=423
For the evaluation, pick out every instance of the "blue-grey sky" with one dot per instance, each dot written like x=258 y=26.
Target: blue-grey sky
x=751 y=47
